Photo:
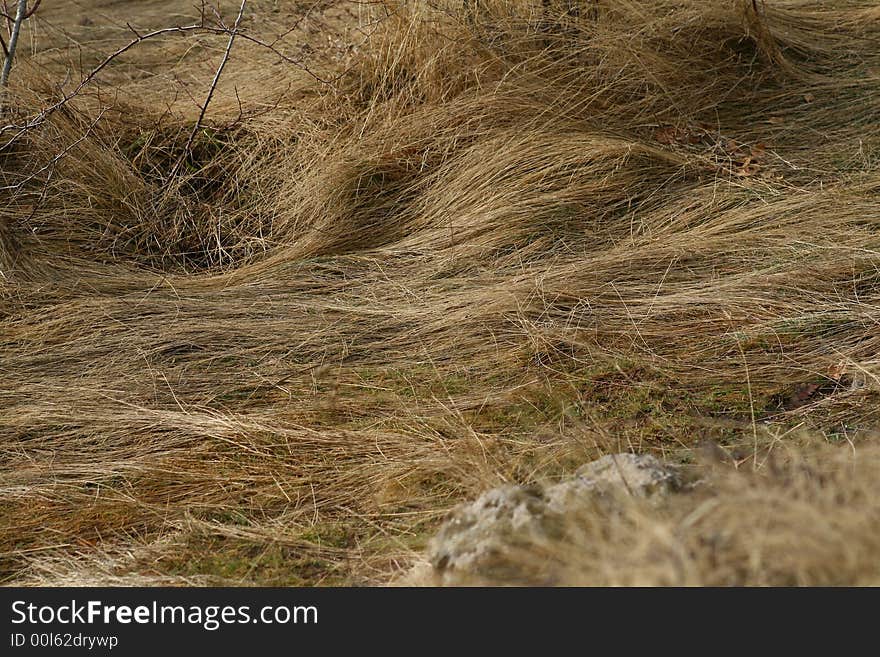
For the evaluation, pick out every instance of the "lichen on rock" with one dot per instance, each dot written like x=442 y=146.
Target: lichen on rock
x=483 y=541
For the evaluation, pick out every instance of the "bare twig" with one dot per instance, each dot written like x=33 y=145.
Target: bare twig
x=31 y=11
x=58 y=156
x=7 y=17
x=194 y=28
x=66 y=98
x=20 y=14
x=198 y=125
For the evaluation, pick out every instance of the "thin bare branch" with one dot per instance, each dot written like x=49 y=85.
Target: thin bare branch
x=198 y=125
x=58 y=156
x=66 y=98
x=7 y=17
x=20 y=15
x=194 y=28
x=30 y=12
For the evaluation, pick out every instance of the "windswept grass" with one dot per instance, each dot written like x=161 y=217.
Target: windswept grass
x=469 y=244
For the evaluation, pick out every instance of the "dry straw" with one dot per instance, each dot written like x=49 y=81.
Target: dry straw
x=496 y=241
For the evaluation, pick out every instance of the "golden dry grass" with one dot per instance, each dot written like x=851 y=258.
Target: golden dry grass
x=469 y=245
x=801 y=515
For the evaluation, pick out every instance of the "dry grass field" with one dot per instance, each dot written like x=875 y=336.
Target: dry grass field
x=418 y=249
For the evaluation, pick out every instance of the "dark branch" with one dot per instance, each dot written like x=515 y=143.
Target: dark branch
x=198 y=125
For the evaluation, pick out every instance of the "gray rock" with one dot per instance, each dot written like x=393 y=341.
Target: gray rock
x=639 y=474
x=484 y=540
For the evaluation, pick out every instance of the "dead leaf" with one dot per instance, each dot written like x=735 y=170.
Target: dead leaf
x=801 y=396
x=809 y=98
x=747 y=168
x=666 y=135
x=837 y=370
x=691 y=134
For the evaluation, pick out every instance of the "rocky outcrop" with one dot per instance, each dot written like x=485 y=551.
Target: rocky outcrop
x=484 y=541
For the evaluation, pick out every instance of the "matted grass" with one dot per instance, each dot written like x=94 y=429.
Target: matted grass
x=469 y=245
